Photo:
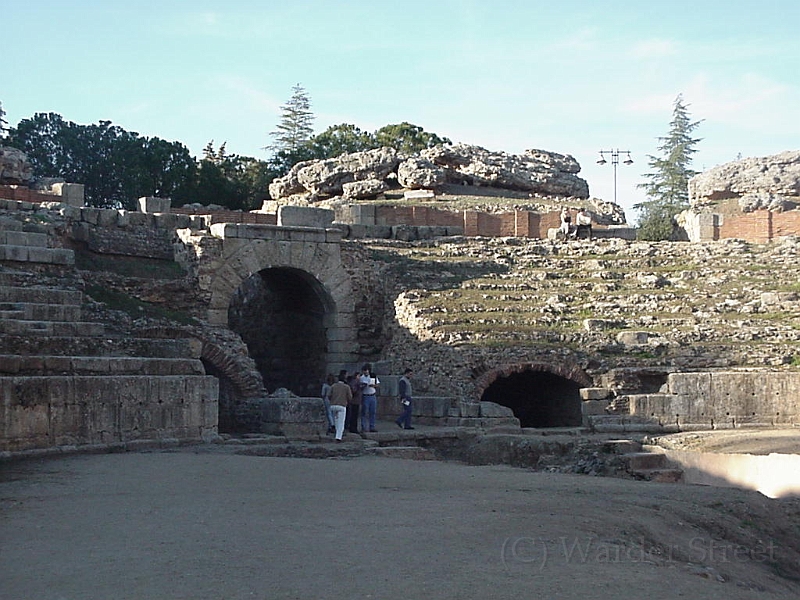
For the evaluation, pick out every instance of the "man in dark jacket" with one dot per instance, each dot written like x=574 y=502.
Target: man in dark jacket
x=404 y=420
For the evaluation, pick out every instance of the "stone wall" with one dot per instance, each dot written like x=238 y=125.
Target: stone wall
x=69 y=411
x=726 y=220
x=754 y=199
x=723 y=400
x=515 y=223
x=69 y=193
x=110 y=231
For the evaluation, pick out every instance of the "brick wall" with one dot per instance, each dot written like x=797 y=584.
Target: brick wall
x=230 y=216
x=24 y=194
x=760 y=226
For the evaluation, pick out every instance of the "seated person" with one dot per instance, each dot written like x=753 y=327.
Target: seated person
x=583 y=221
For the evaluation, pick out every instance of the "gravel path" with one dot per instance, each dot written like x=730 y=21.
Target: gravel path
x=198 y=524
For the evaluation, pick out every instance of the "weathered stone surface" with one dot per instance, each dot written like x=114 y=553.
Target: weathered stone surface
x=762 y=180
x=304 y=216
x=492 y=409
x=418 y=173
x=326 y=177
x=535 y=171
x=367 y=188
x=151 y=204
x=633 y=338
x=15 y=168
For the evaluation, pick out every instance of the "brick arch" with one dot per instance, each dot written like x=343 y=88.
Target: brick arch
x=567 y=370
x=239 y=369
x=540 y=394
x=240 y=259
x=222 y=350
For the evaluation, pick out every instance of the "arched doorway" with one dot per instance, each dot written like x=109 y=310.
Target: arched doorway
x=539 y=398
x=282 y=315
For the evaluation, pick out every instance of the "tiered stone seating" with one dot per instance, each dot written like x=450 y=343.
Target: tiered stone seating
x=67 y=383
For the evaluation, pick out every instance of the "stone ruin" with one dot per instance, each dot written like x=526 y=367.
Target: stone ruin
x=609 y=334
x=15 y=168
x=367 y=174
x=753 y=198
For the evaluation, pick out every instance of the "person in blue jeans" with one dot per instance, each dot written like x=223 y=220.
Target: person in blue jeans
x=369 y=398
x=405 y=393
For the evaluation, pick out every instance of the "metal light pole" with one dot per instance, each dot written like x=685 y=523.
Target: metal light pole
x=614 y=162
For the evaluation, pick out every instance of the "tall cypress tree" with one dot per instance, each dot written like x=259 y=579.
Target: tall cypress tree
x=295 y=128
x=668 y=185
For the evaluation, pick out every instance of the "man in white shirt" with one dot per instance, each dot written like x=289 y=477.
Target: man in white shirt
x=583 y=221
x=369 y=398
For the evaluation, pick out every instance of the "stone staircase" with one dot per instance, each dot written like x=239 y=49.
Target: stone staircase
x=718 y=304
x=66 y=382
x=645 y=462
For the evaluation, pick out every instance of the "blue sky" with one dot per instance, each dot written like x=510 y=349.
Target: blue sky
x=566 y=76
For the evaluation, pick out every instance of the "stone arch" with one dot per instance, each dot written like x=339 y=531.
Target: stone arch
x=315 y=265
x=224 y=356
x=540 y=394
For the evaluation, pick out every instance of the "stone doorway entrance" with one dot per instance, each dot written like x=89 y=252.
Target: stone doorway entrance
x=538 y=398
x=282 y=314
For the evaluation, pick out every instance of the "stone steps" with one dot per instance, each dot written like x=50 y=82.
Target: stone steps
x=98 y=365
x=651 y=466
x=51 y=328
x=654 y=300
x=66 y=383
x=625 y=423
x=17 y=237
x=33 y=311
x=48 y=411
x=34 y=254
x=405 y=452
x=20 y=246
x=27 y=345
x=11 y=294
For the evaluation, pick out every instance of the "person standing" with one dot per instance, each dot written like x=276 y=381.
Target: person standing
x=326 y=400
x=404 y=390
x=583 y=221
x=341 y=394
x=369 y=398
x=354 y=406
x=566 y=222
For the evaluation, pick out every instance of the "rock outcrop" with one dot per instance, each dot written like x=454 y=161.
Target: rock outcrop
x=15 y=168
x=769 y=182
x=535 y=171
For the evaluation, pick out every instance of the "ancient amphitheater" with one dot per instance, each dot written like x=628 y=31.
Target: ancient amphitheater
x=190 y=327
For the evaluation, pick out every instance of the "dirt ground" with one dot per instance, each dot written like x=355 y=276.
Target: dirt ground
x=200 y=523
x=736 y=441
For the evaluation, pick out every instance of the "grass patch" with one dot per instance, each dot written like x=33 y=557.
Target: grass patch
x=134 y=307
x=128 y=266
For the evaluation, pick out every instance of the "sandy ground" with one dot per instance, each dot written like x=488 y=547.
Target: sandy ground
x=197 y=523
x=738 y=441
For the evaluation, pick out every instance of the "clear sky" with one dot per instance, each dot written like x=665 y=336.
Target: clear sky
x=565 y=76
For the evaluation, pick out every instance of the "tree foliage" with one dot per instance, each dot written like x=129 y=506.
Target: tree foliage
x=296 y=125
x=116 y=166
x=668 y=186
x=340 y=139
x=3 y=123
x=407 y=138
x=236 y=182
x=294 y=142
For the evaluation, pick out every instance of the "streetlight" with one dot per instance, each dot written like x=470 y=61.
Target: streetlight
x=614 y=162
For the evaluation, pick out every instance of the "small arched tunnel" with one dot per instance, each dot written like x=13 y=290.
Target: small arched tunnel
x=282 y=314
x=538 y=398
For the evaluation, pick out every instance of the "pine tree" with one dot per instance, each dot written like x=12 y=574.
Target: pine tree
x=668 y=185
x=295 y=128
x=3 y=122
